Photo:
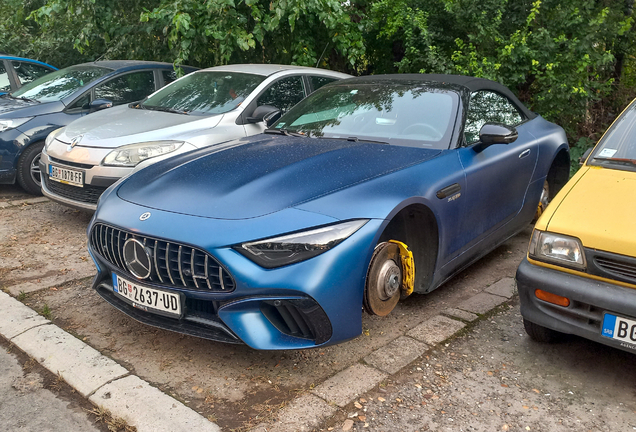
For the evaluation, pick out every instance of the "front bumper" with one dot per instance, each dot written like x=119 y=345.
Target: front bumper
x=590 y=299
x=304 y=305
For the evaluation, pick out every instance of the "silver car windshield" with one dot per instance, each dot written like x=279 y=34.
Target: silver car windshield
x=59 y=84
x=399 y=114
x=205 y=93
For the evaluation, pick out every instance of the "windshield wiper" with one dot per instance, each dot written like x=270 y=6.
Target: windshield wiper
x=625 y=161
x=285 y=132
x=164 y=109
x=354 y=139
x=26 y=99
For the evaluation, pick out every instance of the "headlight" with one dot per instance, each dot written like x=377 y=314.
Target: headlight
x=13 y=123
x=51 y=137
x=131 y=155
x=292 y=248
x=557 y=249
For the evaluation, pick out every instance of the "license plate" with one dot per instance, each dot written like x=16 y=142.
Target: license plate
x=619 y=328
x=147 y=299
x=66 y=176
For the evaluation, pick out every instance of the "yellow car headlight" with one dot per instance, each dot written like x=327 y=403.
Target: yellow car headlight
x=557 y=249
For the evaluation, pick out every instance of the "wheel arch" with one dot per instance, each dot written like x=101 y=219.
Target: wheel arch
x=416 y=225
x=559 y=172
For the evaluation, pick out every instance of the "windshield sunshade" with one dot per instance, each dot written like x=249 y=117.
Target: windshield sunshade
x=59 y=84
x=410 y=115
x=617 y=149
x=205 y=93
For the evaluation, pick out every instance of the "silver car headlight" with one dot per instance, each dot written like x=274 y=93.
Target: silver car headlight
x=51 y=137
x=131 y=155
x=13 y=123
x=557 y=249
x=293 y=248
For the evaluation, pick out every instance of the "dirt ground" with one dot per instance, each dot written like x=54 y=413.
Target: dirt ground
x=43 y=246
x=494 y=378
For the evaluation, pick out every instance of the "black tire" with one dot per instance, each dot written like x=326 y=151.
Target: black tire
x=541 y=334
x=29 y=176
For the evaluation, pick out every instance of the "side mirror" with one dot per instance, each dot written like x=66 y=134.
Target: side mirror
x=583 y=158
x=496 y=133
x=99 y=104
x=272 y=118
x=261 y=112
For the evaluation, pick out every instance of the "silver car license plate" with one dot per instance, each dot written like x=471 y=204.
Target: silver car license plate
x=66 y=176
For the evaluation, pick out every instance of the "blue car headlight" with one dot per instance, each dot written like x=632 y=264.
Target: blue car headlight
x=292 y=248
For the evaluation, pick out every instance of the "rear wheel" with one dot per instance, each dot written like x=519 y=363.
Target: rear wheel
x=541 y=334
x=29 y=175
x=544 y=200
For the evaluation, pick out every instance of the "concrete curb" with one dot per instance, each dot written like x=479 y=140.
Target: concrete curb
x=93 y=375
x=346 y=386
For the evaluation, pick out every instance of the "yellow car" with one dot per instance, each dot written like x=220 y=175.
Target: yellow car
x=580 y=273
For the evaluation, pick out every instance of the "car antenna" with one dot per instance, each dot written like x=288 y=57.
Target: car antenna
x=323 y=53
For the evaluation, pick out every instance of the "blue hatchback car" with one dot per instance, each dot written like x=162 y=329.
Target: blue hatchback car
x=30 y=113
x=18 y=71
x=368 y=190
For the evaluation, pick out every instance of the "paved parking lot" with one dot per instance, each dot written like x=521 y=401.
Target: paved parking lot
x=45 y=263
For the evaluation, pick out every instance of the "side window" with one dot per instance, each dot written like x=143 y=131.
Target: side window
x=127 y=88
x=5 y=84
x=168 y=76
x=319 y=81
x=283 y=94
x=488 y=107
x=28 y=72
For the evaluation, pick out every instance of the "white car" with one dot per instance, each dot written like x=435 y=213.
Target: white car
x=204 y=108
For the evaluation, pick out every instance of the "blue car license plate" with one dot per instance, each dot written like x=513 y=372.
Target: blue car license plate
x=619 y=328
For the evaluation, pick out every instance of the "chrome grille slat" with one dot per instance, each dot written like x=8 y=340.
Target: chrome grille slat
x=168 y=262
x=154 y=255
x=183 y=265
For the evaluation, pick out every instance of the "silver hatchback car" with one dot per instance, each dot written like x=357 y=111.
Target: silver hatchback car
x=204 y=108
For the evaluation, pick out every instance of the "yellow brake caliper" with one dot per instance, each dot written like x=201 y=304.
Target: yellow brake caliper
x=408 y=268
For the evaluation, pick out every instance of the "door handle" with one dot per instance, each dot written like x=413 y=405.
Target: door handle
x=524 y=153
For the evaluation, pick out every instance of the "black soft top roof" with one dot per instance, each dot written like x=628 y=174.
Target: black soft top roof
x=469 y=83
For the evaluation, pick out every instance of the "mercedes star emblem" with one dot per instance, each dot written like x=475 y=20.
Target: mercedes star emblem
x=137 y=258
x=144 y=216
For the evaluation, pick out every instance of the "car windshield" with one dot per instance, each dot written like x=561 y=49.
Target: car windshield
x=617 y=148
x=59 y=84
x=417 y=115
x=205 y=93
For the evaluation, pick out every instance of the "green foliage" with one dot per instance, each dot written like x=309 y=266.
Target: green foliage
x=577 y=151
x=571 y=61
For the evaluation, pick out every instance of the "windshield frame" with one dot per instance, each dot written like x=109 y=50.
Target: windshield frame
x=241 y=100
x=609 y=161
x=401 y=89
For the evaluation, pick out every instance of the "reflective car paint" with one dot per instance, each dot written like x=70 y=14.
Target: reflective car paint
x=265 y=186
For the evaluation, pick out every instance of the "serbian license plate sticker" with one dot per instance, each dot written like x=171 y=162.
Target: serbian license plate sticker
x=66 y=176
x=620 y=329
x=147 y=299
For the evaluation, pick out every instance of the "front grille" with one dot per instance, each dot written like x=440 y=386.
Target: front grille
x=173 y=264
x=69 y=163
x=611 y=266
x=614 y=266
x=87 y=194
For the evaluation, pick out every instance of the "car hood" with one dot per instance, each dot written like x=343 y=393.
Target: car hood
x=599 y=209
x=122 y=125
x=15 y=108
x=263 y=174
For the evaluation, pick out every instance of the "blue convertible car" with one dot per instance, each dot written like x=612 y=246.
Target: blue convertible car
x=368 y=190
